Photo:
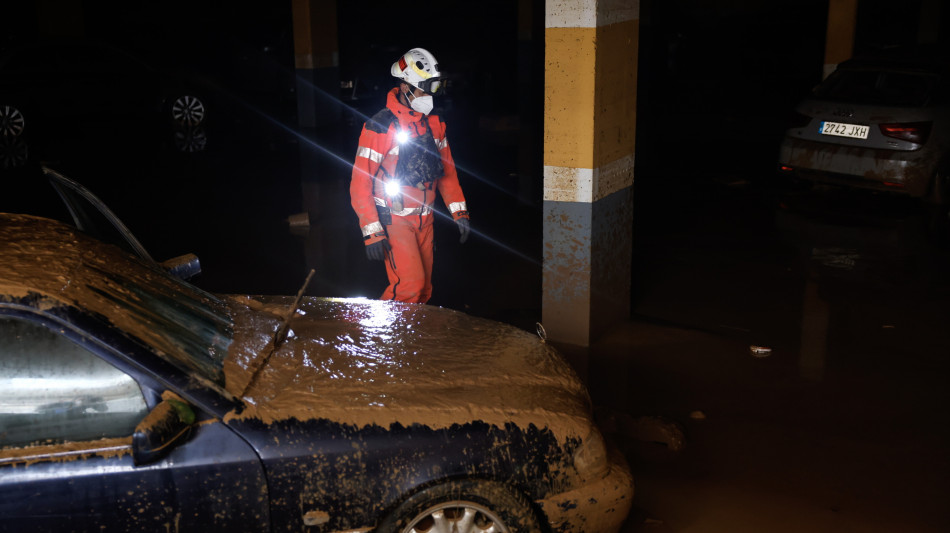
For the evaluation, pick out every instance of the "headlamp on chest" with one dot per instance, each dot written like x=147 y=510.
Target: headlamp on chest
x=392 y=188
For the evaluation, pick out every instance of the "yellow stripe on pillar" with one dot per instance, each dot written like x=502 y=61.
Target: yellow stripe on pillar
x=616 y=109
x=569 y=78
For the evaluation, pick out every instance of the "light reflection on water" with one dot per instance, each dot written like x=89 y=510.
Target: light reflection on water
x=361 y=352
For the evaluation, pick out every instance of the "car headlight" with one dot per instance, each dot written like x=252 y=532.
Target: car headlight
x=590 y=458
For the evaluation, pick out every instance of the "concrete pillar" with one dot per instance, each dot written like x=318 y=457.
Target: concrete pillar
x=590 y=101
x=931 y=16
x=317 y=62
x=839 y=39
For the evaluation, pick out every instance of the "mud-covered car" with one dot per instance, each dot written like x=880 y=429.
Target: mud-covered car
x=880 y=124
x=132 y=400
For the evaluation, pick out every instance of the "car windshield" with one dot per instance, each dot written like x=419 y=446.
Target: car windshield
x=187 y=326
x=878 y=87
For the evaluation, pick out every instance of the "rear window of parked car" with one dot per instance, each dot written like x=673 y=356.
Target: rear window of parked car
x=879 y=87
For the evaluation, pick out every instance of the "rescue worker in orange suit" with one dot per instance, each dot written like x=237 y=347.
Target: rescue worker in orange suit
x=402 y=159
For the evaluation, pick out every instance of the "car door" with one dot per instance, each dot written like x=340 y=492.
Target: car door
x=67 y=416
x=94 y=217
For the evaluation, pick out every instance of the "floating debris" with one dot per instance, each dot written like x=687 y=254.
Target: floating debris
x=760 y=351
x=843 y=258
x=698 y=415
x=299 y=220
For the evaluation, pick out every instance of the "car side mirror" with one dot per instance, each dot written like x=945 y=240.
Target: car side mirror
x=183 y=267
x=168 y=424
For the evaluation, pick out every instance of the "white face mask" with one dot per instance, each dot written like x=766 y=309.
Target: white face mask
x=422 y=104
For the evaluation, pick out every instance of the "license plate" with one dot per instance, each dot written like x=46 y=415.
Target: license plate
x=841 y=129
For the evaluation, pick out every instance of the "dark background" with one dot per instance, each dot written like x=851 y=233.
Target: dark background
x=841 y=428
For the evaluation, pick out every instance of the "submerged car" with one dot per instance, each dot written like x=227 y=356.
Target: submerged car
x=132 y=400
x=44 y=83
x=875 y=124
x=82 y=88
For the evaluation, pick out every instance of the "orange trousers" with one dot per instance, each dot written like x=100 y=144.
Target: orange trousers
x=409 y=263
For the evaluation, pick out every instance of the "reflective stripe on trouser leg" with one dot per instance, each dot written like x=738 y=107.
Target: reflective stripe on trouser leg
x=409 y=264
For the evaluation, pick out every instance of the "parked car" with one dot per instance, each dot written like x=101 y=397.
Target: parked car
x=132 y=400
x=88 y=80
x=880 y=124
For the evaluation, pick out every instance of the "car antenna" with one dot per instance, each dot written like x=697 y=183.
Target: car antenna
x=281 y=335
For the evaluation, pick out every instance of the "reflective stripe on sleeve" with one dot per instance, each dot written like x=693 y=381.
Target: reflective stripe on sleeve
x=442 y=143
x=371 y=228
x=369 y=153
x=380 y=201
x=455 y=207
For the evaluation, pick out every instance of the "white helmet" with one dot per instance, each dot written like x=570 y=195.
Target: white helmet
x=418 y=68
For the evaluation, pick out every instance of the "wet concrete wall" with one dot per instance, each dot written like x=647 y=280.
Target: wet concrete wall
x=587 y=261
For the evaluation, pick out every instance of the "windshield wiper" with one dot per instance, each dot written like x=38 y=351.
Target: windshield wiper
x=280 y=335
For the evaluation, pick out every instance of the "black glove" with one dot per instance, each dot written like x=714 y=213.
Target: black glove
x=377 y=250
x=464 y=229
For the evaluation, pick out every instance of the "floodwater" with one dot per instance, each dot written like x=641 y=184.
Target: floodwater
x=840 y=426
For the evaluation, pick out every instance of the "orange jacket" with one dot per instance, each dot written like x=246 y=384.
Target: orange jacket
x=378 y=148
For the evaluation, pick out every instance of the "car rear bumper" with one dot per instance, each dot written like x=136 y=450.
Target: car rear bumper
x=597 y=507
x=902 y=172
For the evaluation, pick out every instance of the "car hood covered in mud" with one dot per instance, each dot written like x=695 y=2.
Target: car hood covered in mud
x=366 y=362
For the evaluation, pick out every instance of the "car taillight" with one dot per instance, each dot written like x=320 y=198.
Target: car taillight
x=915 y=132
x=796 y=120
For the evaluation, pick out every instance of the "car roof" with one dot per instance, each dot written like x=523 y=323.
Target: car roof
x=39 y=253
x=901 y=59
x=48 y=265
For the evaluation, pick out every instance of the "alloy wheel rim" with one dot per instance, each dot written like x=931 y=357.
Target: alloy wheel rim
x=14 y=152
x=191 y=140
x=456 y=517
x=12 y=122
x=188 y=110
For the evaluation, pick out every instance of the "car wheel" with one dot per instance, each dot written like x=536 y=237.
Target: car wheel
x=188 y=110
x=465 y=506
x=14 y=152
x=12 y=122
x=191 y=139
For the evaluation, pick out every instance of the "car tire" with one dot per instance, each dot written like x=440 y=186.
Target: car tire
x=12 y=122
x=14 y=152
x=472 y=506
x=187 y=110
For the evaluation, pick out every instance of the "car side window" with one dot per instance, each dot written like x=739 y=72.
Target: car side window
x=53 y=390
